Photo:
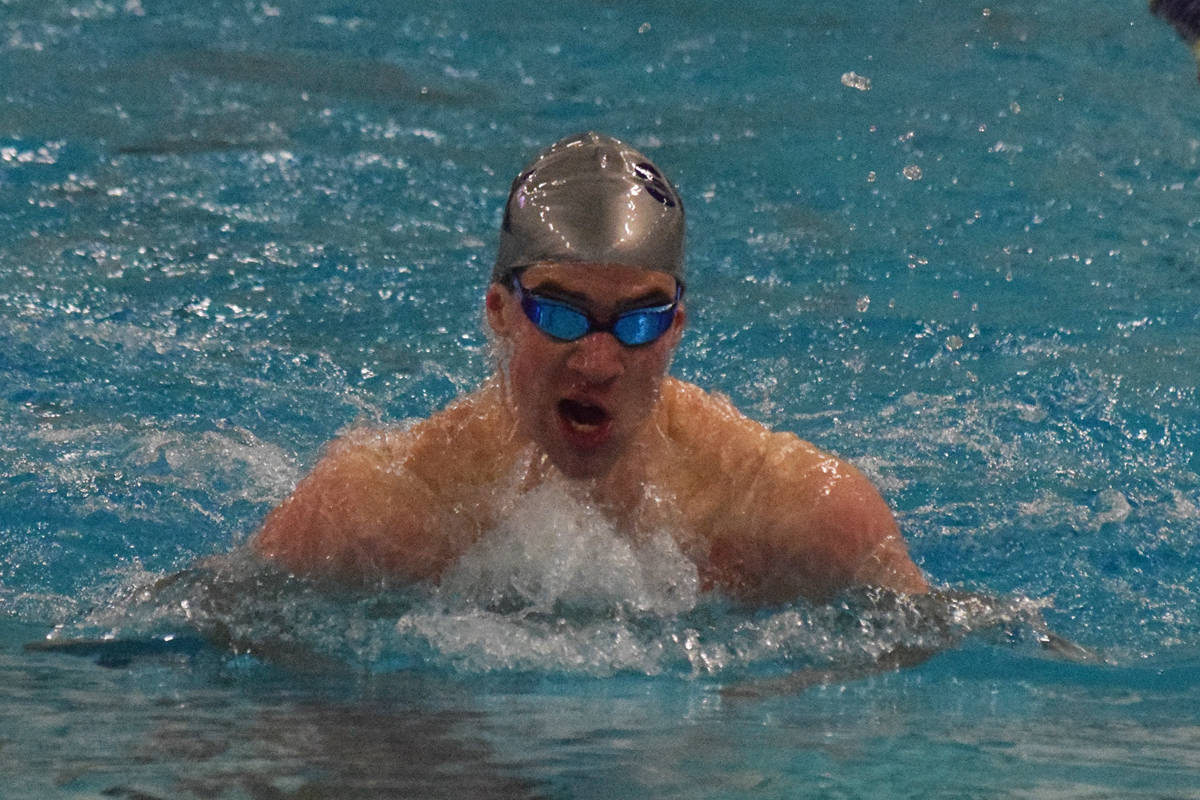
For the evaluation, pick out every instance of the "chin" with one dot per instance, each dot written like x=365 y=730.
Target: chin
x=582 y=468
x=582 y=463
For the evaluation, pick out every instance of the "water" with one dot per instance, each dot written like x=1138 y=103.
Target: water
x=953 y=243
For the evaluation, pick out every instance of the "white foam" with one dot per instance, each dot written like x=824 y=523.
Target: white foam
x=260 y=471
x=556 y=586
x=556 y=551
x=1109 y=507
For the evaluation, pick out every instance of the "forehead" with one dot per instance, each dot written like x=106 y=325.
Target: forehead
x=600 y=281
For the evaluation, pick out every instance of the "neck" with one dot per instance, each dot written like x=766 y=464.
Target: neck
x=621 y=492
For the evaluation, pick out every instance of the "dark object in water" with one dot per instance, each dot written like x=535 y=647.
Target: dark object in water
x=219 y=620
x=1184 y=15
x=371 y=80
x=290 y=75
x=116 y=653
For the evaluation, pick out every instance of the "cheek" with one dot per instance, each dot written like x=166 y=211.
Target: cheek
x=530 y=370
x=646 y=371
x=655 y=360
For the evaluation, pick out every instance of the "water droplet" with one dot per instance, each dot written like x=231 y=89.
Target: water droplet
x=855 y=81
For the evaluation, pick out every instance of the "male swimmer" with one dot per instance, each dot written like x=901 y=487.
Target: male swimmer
x=586 y=304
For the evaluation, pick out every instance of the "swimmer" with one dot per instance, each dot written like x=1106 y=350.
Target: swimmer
x=586 y=305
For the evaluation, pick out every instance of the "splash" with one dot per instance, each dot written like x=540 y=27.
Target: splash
x=557 y=586
x=555 y=554
x=556 y=589
x=560 y=595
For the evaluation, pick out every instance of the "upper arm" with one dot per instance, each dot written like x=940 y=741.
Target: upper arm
x=831 y=529
x=875 y=552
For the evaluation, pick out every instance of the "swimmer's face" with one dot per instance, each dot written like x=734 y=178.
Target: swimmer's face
x=584 y=402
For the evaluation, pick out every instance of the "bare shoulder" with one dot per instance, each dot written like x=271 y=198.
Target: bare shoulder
x=706 y=425
x=712 y=452
x=381 y=501
x=343 y=516
x=828 y=521
x=784 y=517
x=729 y=448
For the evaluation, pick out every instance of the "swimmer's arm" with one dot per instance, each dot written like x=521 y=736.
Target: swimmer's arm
x=865 y=543
x=356 y=516
x=942 y=610
x=888 y=564
x=834 y=531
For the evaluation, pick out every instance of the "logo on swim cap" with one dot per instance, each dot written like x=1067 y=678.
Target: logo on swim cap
x=590 y=198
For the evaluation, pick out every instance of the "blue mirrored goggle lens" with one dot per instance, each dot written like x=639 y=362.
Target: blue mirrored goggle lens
x=643 y=325
x=558 y=320
x=566 y=322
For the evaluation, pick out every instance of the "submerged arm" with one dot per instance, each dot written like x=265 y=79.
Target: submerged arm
x=930 y=624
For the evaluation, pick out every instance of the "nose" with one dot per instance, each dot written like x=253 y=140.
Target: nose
x=597 y=358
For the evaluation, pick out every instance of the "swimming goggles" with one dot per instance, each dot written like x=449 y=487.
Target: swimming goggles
x=565 y=322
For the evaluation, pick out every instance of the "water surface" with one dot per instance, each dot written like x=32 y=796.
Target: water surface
x=954 y=243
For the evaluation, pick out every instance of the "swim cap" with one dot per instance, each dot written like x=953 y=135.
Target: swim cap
x=593 y=199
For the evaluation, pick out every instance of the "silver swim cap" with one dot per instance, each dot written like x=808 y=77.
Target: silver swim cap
x=590 y=198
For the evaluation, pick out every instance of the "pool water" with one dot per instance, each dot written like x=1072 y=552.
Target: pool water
x=954 y=243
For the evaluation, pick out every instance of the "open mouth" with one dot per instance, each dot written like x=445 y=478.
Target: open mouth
x=582 y=415
x=585 y=421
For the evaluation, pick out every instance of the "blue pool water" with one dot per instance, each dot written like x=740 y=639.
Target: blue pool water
x=953 y=242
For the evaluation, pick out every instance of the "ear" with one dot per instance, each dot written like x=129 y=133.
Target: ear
x=675 y=332
x=498 y=303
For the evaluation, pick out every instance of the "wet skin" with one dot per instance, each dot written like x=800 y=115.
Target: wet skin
x=765 y=516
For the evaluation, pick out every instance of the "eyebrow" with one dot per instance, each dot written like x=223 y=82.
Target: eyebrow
x=648 y=299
